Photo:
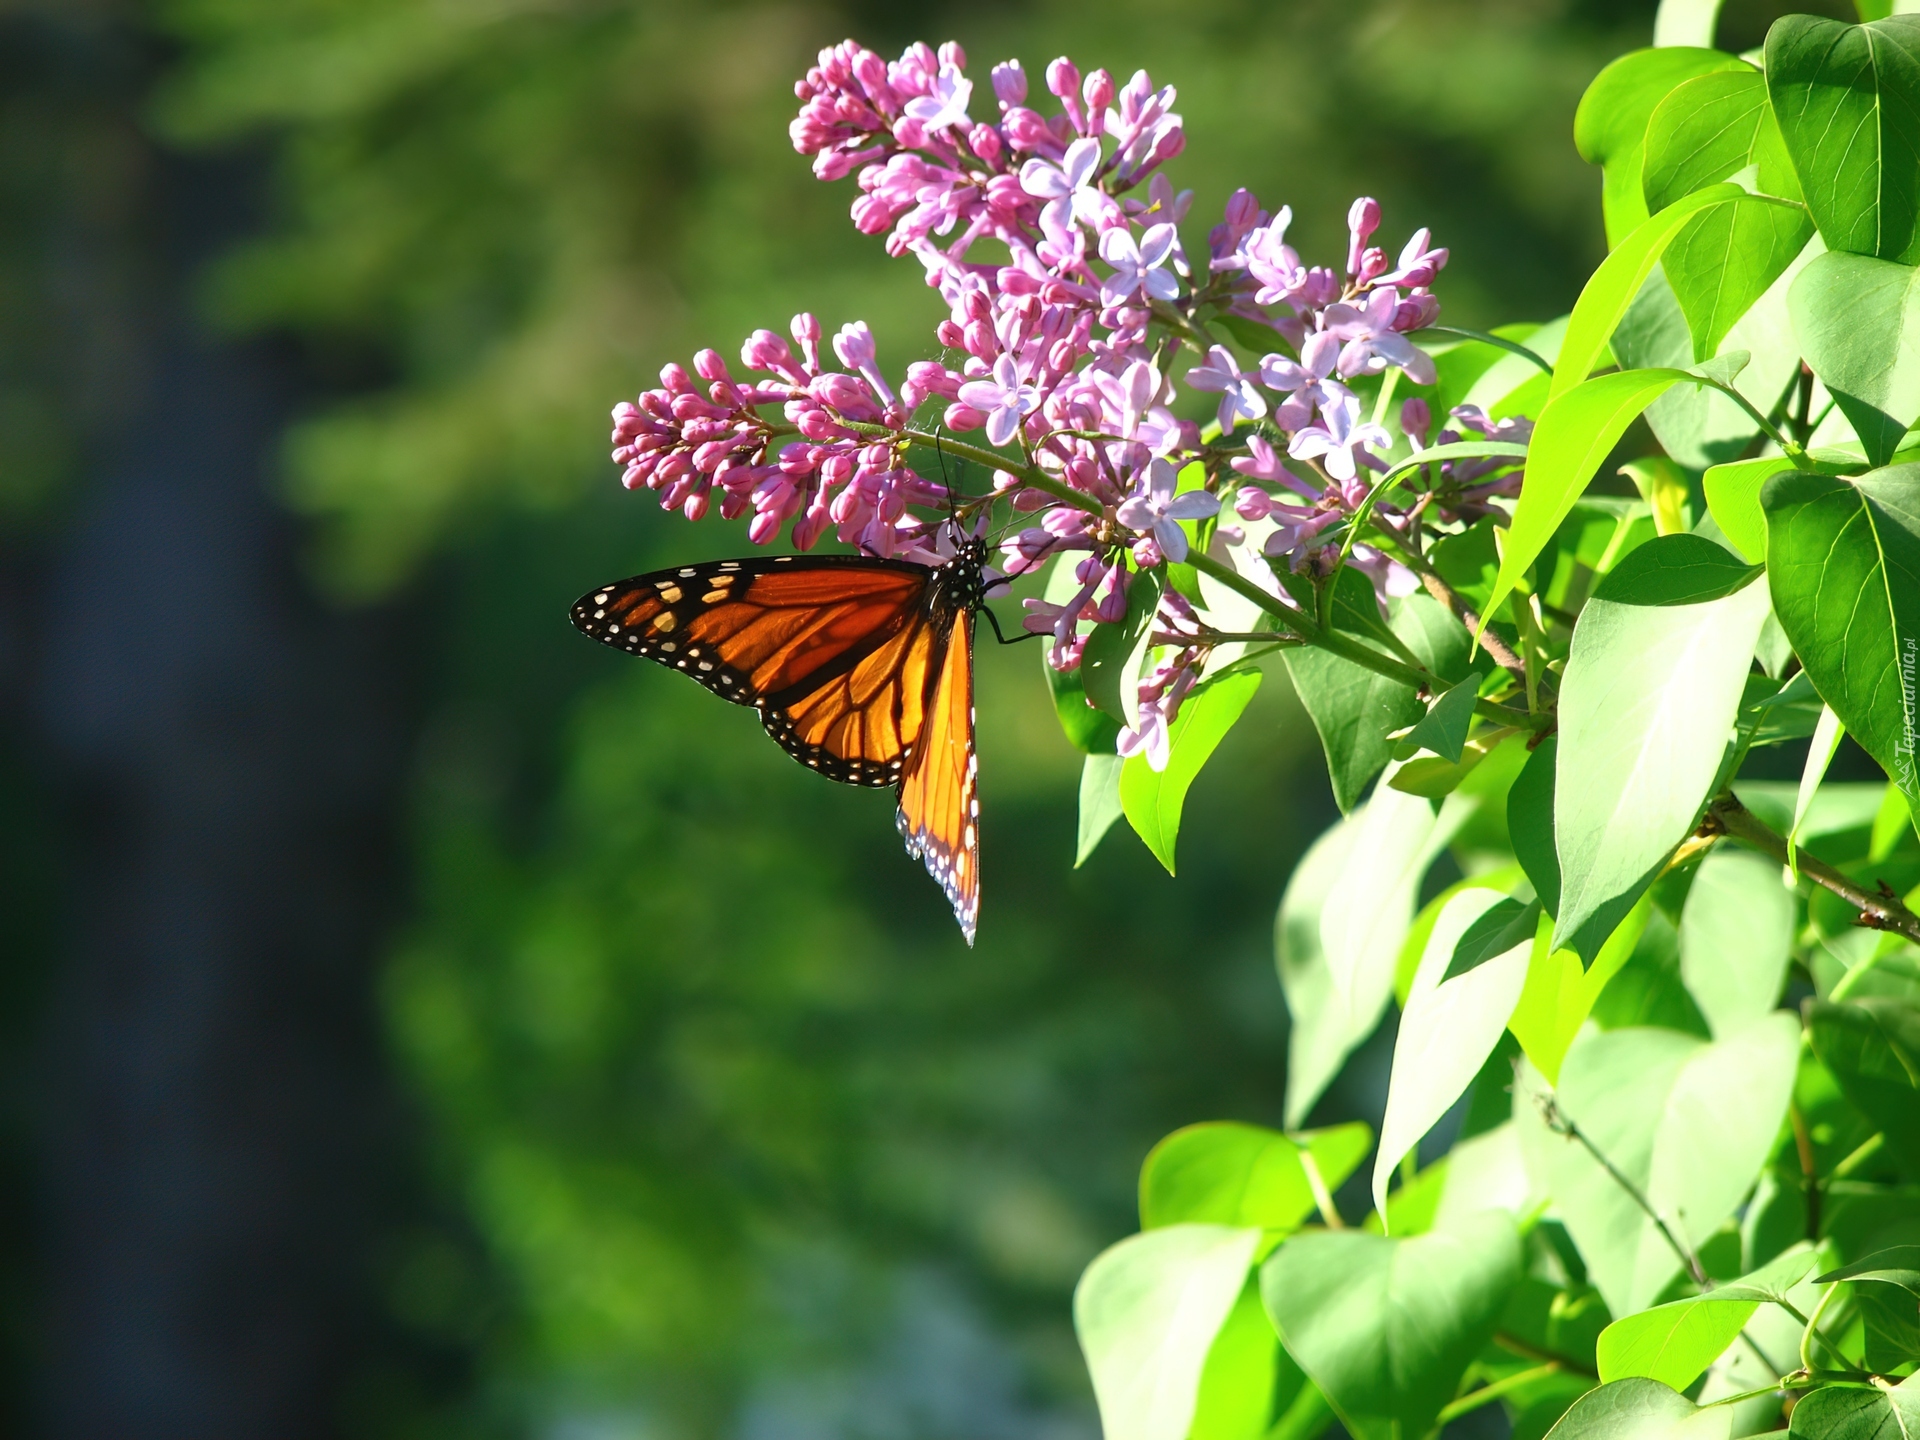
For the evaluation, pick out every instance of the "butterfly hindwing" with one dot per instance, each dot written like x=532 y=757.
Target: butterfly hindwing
x=939 y=797
x=861 y=668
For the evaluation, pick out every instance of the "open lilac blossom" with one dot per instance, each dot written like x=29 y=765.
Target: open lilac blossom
x=1138 y=265
x=1154 y=509
x=1045 y=223
x=1333 y=438
x=1239 y=397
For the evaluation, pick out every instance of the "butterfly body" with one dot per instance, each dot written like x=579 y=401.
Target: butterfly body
x=861 y=668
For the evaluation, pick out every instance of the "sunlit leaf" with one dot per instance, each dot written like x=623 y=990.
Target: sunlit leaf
x=1610 y=127
x=1560 y=992
x=1710 y=128
x=1384 y=1326
x=1726 y=259
x=1147 y=1312
x=1735 y=936
x=1646 y=707
x=1675 y=1343
x=1450 y=1025
x=1152 y=799
x=1115 y=652
x=1688 y=1122
x=1244 y=1371
x=1337 y=937
x=1733 y=498
x=1222 y=1172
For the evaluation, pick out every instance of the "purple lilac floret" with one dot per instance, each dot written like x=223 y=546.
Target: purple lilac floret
x=1065 y=355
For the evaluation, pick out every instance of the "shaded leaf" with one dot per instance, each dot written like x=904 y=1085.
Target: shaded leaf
x=1675 y=570
x=1858 y=323
x=1443 y=729
x=1843 y=563
x=1736 y=935
x=1099 y=802
x=1848 y=101
x=1733 y=499
x=1640 y=1409
x=1881 y=1411
x=1872 y=1046
x=1386 y=1327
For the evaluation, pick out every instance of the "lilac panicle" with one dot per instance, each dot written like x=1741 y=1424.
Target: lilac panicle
x=1061 y=351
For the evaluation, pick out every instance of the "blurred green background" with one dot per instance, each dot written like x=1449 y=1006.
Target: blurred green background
x=645 y=1088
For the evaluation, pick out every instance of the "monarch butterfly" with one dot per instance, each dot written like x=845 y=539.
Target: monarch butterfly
x=861 y=668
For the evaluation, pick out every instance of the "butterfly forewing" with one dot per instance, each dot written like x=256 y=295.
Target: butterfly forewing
x=861 y=669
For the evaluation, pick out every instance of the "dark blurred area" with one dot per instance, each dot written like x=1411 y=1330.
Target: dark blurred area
x=421 y=1022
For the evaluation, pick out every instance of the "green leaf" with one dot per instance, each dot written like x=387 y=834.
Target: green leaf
x=1675 y=1343
x=1726 y=259
x=1088 y=729
x=1858 y=323
x=1337 y=937
x=1353 y=709
x=1708 y=129
x=1688 y=1122
x=1733 y=499
x=1147 y=1311
x=1222 y=1172
x=1610 y=127
x=1152 y=799
x=1574 y=434
x=1500 y=880
x=1443 y=729
x=1685 y=22
x=1245 y=1371
x=1872 y=1046
x=1611 y=288
x=1640 y=1409
x=1846 y=100
x=1736 y=934
x=1843 y=562
x=1115 y=652
x=1451 y=1025
x=1560 y=992
x=1675 y=570
x=1099 y=803
x=1530 y=822
x=1881 y=1411
x=1646 y=706
x=1386 y=1327
x=1436 y=778
x=1897 y=1265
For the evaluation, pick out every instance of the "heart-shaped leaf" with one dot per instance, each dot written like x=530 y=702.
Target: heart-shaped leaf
x=1882 y=1411
x=1386 y=1327
x=1646 y=706
x=1843 y=564
x=1147 y=1312
x=1221 y=1172
x=1858 y=321
x=1675 y=1343
x=1687 y=1122
x=1640 y=1409
x=1845 y=99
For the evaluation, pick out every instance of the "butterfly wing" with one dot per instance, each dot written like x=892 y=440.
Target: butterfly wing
x=939 y=796
x=833 y=650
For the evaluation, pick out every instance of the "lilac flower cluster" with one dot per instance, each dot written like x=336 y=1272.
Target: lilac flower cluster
x=1064 y=354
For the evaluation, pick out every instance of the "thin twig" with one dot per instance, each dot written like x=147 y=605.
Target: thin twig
x=1517 y=1346
x=1879 y=909
x=1562 y=1123
x=1438 y=588
x=1322 y=1196
x=1494 y=1389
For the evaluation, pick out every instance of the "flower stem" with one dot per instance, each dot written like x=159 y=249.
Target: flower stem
x=1813 y=1322
x=1493 y=1390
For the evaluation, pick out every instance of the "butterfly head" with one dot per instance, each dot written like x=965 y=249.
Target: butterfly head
x=960 y=577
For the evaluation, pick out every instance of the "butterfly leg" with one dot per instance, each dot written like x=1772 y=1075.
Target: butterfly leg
x=995 y=623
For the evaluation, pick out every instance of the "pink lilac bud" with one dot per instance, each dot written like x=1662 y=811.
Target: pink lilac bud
x=1009 y=83
x=984 y=141
x=1362 y=220
x=1373 y=264
x=1098 y=93
x=1416 y=312
x=1415 y=420
x=952 y=54
x=1026 y=129
x=708 y=365
x=1146 y=552
x=1063 y=78
x=1252 y=503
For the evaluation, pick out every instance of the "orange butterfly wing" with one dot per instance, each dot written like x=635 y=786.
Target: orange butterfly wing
x=939 y=796
x=858 y=670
